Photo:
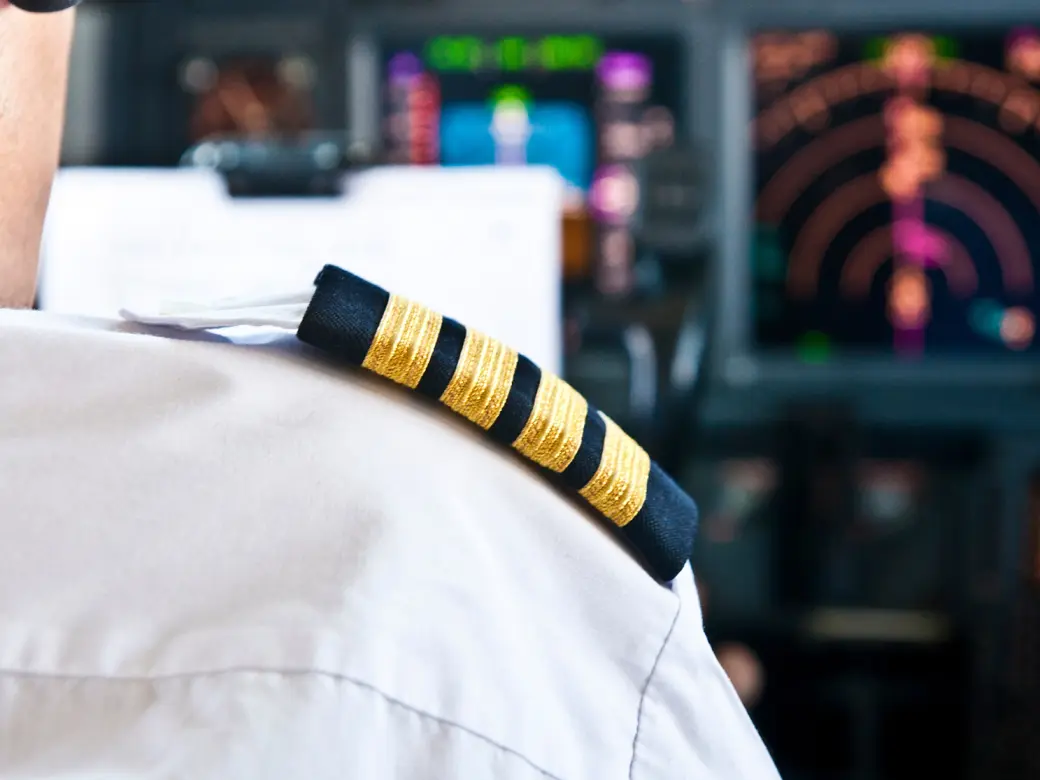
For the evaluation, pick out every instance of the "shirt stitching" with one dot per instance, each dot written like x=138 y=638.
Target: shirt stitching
x=646 y=688
x=292 y=673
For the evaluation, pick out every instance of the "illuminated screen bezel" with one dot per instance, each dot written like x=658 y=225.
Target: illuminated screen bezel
x=737 y=360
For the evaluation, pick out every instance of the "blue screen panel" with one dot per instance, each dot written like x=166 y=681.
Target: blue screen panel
x=561 y=137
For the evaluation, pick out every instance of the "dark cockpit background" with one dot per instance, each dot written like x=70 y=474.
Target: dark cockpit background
x=801 y=264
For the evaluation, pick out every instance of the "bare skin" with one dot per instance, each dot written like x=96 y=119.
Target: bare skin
x=34 y=57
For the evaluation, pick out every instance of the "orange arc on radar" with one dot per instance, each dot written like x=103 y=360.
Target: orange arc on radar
x=817 y=95
x=814 y=159
x=988 y=145
x=823 y=153
x=849 y=200
x=1000 y=229
x=961 y=275
x=865 y=191
x=962 y=134
x=859 y=79
x=876 y=247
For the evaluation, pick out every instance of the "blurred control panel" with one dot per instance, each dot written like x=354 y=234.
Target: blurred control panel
x=252 y=98
x=590 y=106
x=897 y=200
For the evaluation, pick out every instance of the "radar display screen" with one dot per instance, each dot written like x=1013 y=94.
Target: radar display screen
x=897 y=193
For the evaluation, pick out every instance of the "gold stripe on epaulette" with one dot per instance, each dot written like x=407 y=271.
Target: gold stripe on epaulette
x=618 y=488
x=404 y=342
x=552 y=435
x=483 y=377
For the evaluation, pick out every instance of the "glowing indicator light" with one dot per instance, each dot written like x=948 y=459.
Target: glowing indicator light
x=909 y=299
x=614 y=195
x=455 y=53
x=510 y=94
x=465 y=53
x=986 y=317
x=909 y=59
x=1023 y=54
x=512 y=53
x=1017 y=328
x=563 y=52
x=404 y=67
x=625 y=72
x=1014 y=326
x=814 y=347
x=943 y=47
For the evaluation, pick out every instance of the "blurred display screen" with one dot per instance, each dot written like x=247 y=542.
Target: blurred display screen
x=733 y=556
x=587 y=106
x=256 y=98
x=897 y=192
x=894 y=547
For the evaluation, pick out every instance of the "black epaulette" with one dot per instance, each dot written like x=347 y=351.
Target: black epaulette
x=518 y=405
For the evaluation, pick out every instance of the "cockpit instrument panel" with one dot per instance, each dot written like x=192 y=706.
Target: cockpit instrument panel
x=589 y=106
x=897 y=192
x=249 y=98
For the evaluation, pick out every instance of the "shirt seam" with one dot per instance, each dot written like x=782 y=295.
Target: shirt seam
x=342 y=678
x=646 y=689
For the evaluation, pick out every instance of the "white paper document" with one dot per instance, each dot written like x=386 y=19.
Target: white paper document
x=481 y=245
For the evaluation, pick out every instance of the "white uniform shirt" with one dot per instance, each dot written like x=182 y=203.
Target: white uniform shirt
x=227 y=561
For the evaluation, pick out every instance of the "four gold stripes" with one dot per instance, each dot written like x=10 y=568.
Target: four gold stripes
x=402 y=349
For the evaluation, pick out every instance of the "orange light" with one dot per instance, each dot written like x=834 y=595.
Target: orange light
x=1017 y=328
x=909 y=298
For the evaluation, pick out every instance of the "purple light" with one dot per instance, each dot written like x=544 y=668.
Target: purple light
x=404 y=66
x=625 y=71
x=1023 y=35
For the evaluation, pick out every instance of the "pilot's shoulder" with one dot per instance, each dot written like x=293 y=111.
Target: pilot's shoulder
x=516 y=404
x=439 y=367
